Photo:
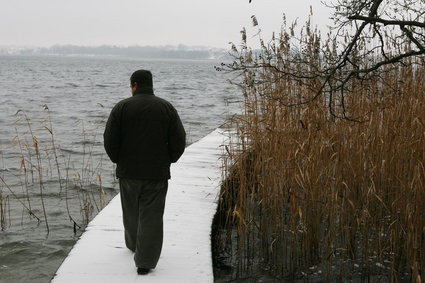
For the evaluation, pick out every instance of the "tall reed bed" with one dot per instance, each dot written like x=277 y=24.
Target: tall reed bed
x=308 y=195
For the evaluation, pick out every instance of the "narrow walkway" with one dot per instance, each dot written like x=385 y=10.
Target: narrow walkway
x=100 y=254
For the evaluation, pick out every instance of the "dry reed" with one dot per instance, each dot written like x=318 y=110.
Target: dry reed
x=307 y=195
x=40 y=148
x=4 y=202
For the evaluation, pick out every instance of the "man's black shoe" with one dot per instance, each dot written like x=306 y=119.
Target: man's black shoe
x=142 y=271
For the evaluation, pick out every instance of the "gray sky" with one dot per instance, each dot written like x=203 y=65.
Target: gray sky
x=146 y=22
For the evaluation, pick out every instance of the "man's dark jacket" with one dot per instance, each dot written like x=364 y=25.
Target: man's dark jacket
x=143 y=136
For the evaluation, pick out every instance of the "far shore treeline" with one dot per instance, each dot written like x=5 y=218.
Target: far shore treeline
x=151 y=52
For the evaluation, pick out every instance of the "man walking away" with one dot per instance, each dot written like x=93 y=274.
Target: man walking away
x=143 y=136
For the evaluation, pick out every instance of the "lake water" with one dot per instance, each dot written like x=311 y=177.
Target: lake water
x=66 y=101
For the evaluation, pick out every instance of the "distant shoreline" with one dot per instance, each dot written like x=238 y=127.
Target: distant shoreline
x=144 y=52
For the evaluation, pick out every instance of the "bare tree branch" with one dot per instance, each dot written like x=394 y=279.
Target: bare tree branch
x=387 y=22
x=412 y=38
x=366 y=40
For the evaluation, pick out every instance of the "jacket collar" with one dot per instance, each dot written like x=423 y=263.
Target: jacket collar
x=143 y=90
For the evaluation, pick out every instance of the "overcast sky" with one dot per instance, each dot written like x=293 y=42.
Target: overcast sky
x=146 y=22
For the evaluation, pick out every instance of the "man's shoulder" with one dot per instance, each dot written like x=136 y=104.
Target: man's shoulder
x=121 y=103
x=161 y=100
x=145 y=99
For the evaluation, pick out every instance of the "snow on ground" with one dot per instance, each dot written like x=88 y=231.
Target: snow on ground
x=100 y=254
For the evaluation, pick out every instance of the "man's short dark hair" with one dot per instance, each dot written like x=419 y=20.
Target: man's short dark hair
x=142 y=78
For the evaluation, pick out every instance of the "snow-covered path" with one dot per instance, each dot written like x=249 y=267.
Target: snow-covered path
x=100 y=254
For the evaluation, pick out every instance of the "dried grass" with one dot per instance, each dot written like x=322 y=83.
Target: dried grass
x=308 y=195
x=35 y=151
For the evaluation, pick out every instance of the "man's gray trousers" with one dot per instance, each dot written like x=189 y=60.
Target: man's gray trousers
x=143 y=203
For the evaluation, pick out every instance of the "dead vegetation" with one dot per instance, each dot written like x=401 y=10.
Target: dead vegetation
x=332 y=189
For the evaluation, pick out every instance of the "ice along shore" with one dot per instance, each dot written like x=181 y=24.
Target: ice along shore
x=100 y=254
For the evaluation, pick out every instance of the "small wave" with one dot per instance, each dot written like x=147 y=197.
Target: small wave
x=207 y=105
x=13 y=170
x=196 y=123
x=100 y=115
x=85 y=142
x=58 y=254
x=70 y=151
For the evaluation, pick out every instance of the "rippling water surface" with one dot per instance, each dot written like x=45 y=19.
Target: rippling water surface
x=66 y=101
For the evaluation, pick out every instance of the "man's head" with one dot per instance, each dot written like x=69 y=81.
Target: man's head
x=141 y=78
